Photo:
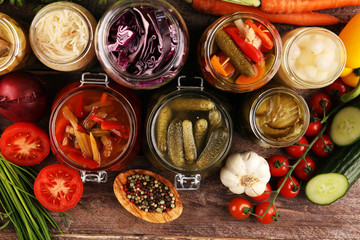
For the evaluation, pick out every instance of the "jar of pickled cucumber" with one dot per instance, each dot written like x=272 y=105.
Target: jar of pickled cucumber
x=313 y=57
x=15 y=50
x=274 y=116
x=240 y=52
x=95 y=126
x=189 y=132
x=142 y=44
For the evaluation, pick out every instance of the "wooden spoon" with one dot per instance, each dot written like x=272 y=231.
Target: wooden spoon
x=153 y=217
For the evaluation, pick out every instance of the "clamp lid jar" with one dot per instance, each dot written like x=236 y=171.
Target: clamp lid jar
x=95 y=125
x=188 y=131
x=142 y=44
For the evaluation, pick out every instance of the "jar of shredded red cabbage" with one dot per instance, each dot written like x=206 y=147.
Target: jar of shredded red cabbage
x=142 y=44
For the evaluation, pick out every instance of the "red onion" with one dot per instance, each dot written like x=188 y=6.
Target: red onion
x=22 y=98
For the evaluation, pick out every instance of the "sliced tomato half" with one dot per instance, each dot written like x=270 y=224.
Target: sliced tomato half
x=24 y=144
x=58 y=188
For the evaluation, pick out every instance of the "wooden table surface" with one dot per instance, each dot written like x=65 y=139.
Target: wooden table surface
x=205 y=214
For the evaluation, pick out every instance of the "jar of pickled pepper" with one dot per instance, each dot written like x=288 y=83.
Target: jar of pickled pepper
x=95 y=126
x=274 y=116
x=189 y=132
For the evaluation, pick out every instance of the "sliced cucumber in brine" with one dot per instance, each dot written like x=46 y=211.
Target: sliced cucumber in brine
x=326 y=188
x=345 y=127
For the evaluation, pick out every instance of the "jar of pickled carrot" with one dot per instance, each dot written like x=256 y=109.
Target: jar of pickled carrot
x=239 y=52
x=95 y=125
x=189 y=132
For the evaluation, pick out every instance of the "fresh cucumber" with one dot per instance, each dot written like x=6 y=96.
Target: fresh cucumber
x=326 y=188
x=345 y=126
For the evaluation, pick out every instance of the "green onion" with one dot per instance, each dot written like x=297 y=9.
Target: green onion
x=30 y=219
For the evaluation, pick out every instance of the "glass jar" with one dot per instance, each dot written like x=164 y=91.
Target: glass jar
x=62 y=36
x=95 y=125
x=223 y=66
x=142 y=44
x=274 y=116
x=189 y=132
x=312 y=57
x=15 y=50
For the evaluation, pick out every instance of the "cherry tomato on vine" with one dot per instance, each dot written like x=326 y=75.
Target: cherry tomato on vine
x=323 y=146
x=319 y=101
x=266 y=194
x=279 y=165
x=305 y=169
x=314 y=126
x=240 y=208
x=291 y=187
x=337 y=88
x=270 y=215
x=297 y=150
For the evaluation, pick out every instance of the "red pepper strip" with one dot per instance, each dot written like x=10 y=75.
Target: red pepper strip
x=67 y=149
x=108 y=125
x=266 y=41
x=248 y=49
x=80 y=128
x=95 y=118
x=60 y=129
x=79 y=108
x=79 y=159
x=119 y=133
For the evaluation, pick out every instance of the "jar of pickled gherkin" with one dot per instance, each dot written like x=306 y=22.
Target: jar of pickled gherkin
x=94 y=126
x=274 y=116
x=189 y=132
x=15 y=50
x=239 y=52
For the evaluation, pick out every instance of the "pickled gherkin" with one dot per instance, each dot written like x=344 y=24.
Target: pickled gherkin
x=162 y=124
x=200 y=131
x=214 y=146
x=214 y=118
x=175 y=143
x=192 y=104
x=189 y=141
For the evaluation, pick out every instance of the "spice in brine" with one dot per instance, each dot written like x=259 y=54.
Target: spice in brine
x=149 y=194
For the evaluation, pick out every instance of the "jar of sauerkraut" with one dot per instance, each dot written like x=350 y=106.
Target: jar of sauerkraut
x=15 y=50
x=61 y=36
x=142 y=44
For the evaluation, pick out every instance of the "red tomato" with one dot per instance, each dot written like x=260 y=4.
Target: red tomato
x=58 y=188
x=314 y=126
x=305 y=169
x=240 y=208
x=279 y=165
x=24 y=144
x=297 y=149
x=337 y=88
x=266 y=194
x=319 y=101
x=270 y=215
x=323 y=146
x=291 y=187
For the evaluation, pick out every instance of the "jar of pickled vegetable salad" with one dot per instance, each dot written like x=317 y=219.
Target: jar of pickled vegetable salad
x=62 y=36
x=15 y=50
x=239 y=52
x=189 y=132
x=312 y=57
x=95 y=125
x=142 y=44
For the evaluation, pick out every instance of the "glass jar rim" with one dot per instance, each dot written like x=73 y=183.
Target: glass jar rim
x=56 y=6
x=277 y=49
x=15 y=46
x=133 y=122
x=257 y=102
x=112 y=14
x=301 y=32
x=151 y=122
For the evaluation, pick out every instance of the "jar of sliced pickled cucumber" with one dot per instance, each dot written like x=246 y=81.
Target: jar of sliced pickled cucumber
x=95 y=126
x=274 y=116
x=15 y=50
x=189 y=132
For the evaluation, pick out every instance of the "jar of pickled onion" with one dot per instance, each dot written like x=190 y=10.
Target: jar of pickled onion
x=142 y=44
x=95 y=125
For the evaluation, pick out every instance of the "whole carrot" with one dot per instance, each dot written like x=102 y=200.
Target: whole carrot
x=298 y=6
x=219 y=8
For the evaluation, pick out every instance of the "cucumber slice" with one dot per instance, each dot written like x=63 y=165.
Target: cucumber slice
x=345 y=127
x=326 y=188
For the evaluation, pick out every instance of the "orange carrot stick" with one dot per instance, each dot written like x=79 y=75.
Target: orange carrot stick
x=298 y=6
x=219 y=8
